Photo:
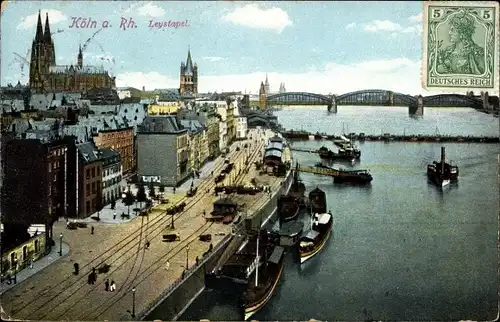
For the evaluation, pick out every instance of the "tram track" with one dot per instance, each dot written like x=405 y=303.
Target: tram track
x=159 y=221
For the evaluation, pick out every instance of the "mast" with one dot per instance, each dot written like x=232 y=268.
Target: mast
x=257 y=261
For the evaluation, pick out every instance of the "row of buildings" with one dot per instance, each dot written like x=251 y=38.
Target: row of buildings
x=71 y=141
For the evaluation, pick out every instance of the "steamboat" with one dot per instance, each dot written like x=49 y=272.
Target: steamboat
x=317 y=201
x=343 y=154
x=348 y=176
x=315 y=239
x=289 y=205
x=263 y=276
x=442 y=173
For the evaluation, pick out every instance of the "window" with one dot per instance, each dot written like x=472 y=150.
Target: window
x=93 y=172
x=93 y=187
x=87 y=208
x=88 y=173
x=98 y=170
x=87 y=189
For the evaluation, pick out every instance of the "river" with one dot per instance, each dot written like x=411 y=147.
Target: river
x=401 y=249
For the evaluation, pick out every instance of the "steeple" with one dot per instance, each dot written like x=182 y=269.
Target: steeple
x=189 y=62
x=267 y=82
x=262 y=89
x=46 y=34
x=39 y=31
x=80 y=57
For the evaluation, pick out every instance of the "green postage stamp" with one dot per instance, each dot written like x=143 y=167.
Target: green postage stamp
x=460 y=47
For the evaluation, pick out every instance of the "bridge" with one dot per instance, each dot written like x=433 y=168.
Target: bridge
x=377 y=97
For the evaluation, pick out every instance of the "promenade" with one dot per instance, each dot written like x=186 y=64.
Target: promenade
x=55 y=293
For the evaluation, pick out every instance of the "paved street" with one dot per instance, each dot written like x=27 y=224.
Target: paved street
x=54 y=293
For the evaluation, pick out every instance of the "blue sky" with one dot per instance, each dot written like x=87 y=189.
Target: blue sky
x=324 y=47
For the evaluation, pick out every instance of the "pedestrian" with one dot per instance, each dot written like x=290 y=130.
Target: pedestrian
x=91 y=230
x=147 y=244
x=112 y=286
x=77 y=268
x=31 y=262
x=89 y=279
x=168 y=265
x=114 y=215
x=67 y=224
x=106 y=285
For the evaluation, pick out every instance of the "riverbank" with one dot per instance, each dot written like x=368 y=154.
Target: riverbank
x=304 y=135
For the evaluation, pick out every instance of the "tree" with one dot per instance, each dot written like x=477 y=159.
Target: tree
x=113 y=204
x=141 y=195
x=162 y=188
x=128 y=200
x=152 y=193
x=99 y=206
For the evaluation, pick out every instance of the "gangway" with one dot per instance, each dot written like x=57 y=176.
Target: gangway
x=234 y=244
x=304 y=150
x=318 y=171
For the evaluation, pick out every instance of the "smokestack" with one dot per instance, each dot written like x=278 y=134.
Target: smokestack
x=442 y=159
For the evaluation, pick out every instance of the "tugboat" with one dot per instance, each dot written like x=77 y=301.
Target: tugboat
x=316 y=238
x=297 y=189
x=442 y=173
x=288 y=207
x=317 y=201
x=353 y=176
x=263 y=280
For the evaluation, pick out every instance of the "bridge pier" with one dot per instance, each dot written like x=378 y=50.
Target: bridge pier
x=417 y=108
x=332 y=107
x=486 y=100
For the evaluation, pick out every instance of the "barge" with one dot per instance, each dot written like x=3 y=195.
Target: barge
x=442 y=173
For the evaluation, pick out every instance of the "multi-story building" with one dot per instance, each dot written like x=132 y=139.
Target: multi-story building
x=198 y=143
x=163 y=151
x=111 y=175
x=45 y=75
x=121 y=139
x=206 y=114
x=35 y=186
x=241 y=124
x=90 y=179
x=223 y=138
x=189 y=77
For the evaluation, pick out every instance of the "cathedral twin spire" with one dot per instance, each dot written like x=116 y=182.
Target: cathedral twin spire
x=43 y=35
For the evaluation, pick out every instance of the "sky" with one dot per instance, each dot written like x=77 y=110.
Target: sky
x=318 y=47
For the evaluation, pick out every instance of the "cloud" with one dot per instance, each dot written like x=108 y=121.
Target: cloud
x=394 y=28
x=351 y=25
x=416 y=18
x=151 y=10
x=55 y=16
x=252 y=16
x=213 y=58
x=400 y=75
x=382 y=25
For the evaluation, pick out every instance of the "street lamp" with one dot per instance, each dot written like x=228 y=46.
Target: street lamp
x=132 y=314
x=187 y=257
x=15 y=270
x=60 y=244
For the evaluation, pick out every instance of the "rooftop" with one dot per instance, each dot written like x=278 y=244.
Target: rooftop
x=161 y=124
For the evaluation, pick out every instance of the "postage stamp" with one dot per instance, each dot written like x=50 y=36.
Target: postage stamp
x=460 y=46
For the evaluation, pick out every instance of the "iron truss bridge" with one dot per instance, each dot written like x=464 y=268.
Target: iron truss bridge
x=375 y=97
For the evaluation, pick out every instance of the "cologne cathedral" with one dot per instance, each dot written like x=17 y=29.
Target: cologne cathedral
x=46 y=76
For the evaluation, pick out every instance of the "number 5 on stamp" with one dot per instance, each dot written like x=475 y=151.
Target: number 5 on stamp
x=460 y=46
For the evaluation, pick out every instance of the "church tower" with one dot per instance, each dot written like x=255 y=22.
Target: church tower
x=262 y=96
x=43 y=55
x=79 y=60
x=266 y=86
x=189 y=76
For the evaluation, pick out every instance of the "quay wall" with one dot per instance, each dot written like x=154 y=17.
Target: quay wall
x=179 y=296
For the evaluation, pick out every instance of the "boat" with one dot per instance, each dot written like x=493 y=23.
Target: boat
x=288 y=207
x=317 y=201
x=353 y=176
x=315 y=239
x=343 y=154
x=264 y=276
x=297 y=188
x=442 y=173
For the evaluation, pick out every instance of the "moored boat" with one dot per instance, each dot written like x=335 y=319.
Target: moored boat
x=442 y=173
x=263 y=281
x=353 y=176
x=316 y=238
x=317 y=201
x=288 y=207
